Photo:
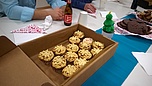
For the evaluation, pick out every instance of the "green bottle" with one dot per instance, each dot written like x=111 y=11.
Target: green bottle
x=108 y=24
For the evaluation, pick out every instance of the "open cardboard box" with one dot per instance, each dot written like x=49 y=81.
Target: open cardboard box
x=17 y=69
x=31 y=49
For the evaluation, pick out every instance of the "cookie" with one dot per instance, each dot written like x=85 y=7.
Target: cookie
x=137 y=20
x=134 y=27
x=125 y=21
x=95 y=51
x=85 y=45
x=119 y=25
x=79 y=63
x=59 y=49
x=46 y=55
x=84 y=54
x=145 y=15
x=74 y=40
x=71 y=56
x=69 y=70
x=88 y=40
x=72 y=47
x=79 y=34
x=97 y=44
x=58 y=62
x=141 y=29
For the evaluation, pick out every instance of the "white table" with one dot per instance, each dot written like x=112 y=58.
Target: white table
x=7 y=25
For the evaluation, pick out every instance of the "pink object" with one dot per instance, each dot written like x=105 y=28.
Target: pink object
x=32 y=28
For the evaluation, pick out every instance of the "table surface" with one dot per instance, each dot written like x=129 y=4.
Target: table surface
x=7 y=25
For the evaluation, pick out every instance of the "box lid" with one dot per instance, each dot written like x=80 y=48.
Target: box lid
x=17 y=69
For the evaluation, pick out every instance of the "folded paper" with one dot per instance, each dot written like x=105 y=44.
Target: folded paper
x=144 y=60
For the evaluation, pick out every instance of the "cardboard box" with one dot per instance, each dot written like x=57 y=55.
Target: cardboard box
x=17 y=69
x=32 y=49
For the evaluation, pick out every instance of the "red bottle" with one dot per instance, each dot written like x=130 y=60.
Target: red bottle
x=68 y=14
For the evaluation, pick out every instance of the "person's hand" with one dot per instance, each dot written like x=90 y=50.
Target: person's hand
x=57 y=14
x=63 y=8
x=41 y=13
x=90 y=8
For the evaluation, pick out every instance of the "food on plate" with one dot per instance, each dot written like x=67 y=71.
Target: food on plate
x=46 y=55
x=58 y=62
x=59 y=49
x=69 y=70
x=145 y=15
x=72 y=47
x=135 y=26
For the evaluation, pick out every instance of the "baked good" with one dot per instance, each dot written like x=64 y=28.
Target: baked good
x=79 y=63
x=70 y=56
x=59 y=49
x=145 y=15
x=58 y=62
x=69 y=70
x=95 y=51
x=79 y=34
x=88 y=40
x=72 y=47
x=46 y=55
x=123 y=24
x=85 y=54
x=74 y=40
x=97 y=44
x=85 y=45
x=135 y=26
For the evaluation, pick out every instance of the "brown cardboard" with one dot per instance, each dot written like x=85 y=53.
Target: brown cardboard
x=33 y=48
x=17 y=69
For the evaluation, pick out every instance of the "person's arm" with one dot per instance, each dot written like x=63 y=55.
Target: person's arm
x=84 y=5
x=56 y=3
x=78 y=4
x=14 y=11
x=56 y=13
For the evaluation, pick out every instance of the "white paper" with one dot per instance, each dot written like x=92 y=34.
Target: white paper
x=149 y=49
x=24 y=37
x=104 y=13
x=47 y=23
x=145 y=60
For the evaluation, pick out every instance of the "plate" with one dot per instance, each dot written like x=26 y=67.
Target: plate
x=122 y=31
x=137 y=13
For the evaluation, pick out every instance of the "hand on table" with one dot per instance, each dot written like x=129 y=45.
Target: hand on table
x=57 y=14
x=90 y=8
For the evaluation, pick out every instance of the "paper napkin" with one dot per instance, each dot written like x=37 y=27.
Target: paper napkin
x=145 y=60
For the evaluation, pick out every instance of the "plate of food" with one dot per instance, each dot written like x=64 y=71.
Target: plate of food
x=145 y=16
x=133 y=27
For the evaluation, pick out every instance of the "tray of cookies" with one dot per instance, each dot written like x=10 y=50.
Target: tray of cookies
x=145 y=16
x=133 y=27
x=70 y=55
